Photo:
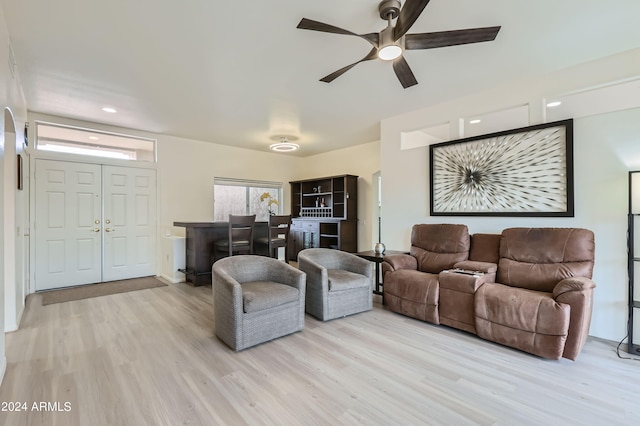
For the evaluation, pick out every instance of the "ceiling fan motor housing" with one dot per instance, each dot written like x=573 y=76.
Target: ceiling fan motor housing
x=389 y=7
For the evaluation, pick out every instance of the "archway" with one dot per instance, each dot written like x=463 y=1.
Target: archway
x=9 y=182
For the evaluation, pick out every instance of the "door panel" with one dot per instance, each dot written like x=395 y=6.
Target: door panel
x=68 y=203
x=130 y=222
x=93 y=223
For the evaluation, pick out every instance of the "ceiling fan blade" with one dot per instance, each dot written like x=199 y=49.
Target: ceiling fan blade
x=449 y=38
x=408 y=16
x=404 y=73
x=373 y=53
x=309 y=24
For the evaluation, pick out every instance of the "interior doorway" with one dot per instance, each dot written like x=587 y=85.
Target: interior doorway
x=93 y=223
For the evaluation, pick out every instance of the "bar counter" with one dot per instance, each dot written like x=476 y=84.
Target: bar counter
x=200 y=254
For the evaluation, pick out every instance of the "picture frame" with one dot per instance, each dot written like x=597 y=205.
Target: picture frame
x=520 y=172
x=19 y=172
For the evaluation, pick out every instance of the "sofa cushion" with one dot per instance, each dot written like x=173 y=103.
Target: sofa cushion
x=485 y=248
x=528 y=320
x=437 y=247
x=538 y=258
x=260 y=295
x=340 y=279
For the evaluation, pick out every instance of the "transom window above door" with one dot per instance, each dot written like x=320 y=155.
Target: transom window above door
x=80 y=141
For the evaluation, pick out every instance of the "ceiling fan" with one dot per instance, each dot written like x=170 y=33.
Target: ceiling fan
x=390 y=43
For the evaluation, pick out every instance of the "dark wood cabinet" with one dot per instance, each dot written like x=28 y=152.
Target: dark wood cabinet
x=325 y=214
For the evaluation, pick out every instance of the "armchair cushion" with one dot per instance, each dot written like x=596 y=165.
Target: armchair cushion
x=344 y=280
x=260 y=295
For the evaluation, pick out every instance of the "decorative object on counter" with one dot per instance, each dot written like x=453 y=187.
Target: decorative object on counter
x=272 y=204
x=379 y=248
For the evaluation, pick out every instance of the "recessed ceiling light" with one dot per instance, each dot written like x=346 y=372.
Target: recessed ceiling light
x=109 y=109
x=94 y=138
x=554 y=104
x=475 y=121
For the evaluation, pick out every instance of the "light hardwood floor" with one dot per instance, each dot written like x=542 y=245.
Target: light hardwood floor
x=151 y=358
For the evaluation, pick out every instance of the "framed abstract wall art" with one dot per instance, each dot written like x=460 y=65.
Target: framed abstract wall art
x=520 y=172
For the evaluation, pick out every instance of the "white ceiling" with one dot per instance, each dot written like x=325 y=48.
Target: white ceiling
x=239 y=72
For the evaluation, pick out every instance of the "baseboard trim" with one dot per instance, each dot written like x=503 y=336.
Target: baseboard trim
x=3 y=368
x=172 y=280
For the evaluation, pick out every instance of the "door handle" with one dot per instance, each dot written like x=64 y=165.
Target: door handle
x=110 y=230
x=95 y=230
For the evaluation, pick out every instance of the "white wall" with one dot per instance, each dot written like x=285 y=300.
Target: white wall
x=606 y=146
x=13 y=116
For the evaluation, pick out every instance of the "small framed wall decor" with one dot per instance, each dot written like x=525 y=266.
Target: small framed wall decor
x=521 y=172
x=20 y=172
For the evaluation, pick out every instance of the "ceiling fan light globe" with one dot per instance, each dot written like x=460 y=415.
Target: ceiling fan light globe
x=389 y=53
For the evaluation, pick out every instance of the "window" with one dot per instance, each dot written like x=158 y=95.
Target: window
x=76 y=140
x=244 y=197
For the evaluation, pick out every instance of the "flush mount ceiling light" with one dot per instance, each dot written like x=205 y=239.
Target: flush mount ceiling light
x=475 y=121
x=109 y=110
x=554 y=104
x=284 y=145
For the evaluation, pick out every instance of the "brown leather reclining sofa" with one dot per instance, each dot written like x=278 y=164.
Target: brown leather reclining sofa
x=527 y=288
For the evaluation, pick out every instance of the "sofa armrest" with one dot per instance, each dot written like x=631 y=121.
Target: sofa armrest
x=577 y=292
x=472 y=265
x=572 y=284
x=395 y=262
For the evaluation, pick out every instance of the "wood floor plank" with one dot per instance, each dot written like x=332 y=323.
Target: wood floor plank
x=151 y=358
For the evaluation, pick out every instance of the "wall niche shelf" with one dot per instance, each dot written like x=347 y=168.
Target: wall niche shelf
x=324 y=214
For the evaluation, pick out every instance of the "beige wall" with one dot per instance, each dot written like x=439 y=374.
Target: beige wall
x=606 y=146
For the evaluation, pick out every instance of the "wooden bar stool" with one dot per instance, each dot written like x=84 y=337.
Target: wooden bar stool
x=240 y=237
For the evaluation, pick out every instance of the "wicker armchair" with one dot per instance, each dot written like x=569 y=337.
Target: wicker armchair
x=256 y=299
x=338 y=283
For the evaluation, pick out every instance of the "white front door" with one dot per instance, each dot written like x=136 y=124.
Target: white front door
x=68 y=224
x=93 y=223
x=129 y=222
